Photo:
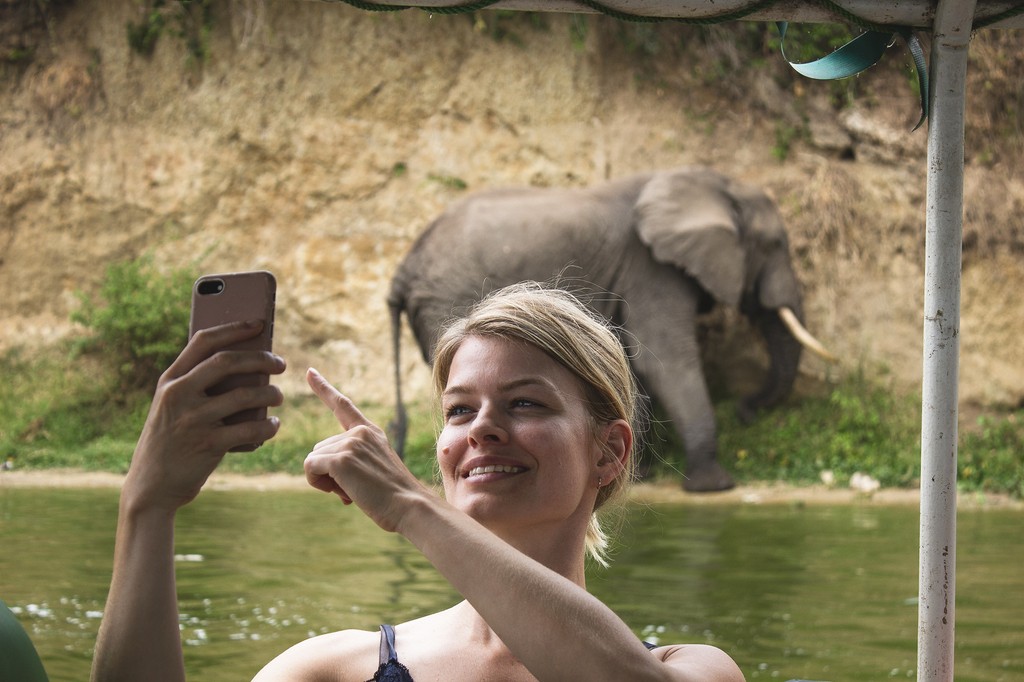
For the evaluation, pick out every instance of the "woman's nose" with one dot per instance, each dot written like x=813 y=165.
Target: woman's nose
x=487 y=427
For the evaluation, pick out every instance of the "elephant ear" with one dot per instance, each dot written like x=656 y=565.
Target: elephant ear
x=689 y=221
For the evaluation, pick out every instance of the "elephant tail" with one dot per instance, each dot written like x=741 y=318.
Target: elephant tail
x=398 y=426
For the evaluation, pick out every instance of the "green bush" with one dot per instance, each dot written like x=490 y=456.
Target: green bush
x=991 y=458
x=142 y=36
x=55 y=413
x=191 y=21
x=140 y=323
x=856 y=426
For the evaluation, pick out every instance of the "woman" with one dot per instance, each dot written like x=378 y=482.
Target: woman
x=538 y=404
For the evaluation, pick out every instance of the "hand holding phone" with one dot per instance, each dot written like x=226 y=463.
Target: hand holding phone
x=237 y=297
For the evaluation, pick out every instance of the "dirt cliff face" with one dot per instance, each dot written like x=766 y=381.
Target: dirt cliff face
x=317 y=141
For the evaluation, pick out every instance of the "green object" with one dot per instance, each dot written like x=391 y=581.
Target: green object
x=19 y=661
x=850 y=59
x=862 y=52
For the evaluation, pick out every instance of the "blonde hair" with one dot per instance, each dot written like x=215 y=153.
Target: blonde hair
x=556 y=322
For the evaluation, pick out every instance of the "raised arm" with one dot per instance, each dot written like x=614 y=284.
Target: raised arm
x=181 y=444
x=557 y=629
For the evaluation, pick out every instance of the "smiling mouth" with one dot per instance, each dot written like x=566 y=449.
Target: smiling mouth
x=494 y=469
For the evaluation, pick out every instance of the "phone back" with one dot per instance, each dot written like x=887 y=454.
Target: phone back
x=237 y=297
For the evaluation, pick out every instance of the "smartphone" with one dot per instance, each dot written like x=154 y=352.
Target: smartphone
x=237 y=297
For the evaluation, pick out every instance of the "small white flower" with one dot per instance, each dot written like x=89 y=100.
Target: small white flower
x=864 y=483
x=189 y=558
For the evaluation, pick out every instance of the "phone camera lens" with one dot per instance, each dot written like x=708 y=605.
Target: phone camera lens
x=210 y=287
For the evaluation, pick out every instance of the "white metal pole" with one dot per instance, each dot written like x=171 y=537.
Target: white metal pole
x=943 y=250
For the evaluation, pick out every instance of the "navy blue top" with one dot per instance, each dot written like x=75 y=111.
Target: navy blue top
x=391 y=670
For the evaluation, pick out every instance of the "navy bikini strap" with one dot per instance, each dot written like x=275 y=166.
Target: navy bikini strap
x=387 y=644
x=390 y=669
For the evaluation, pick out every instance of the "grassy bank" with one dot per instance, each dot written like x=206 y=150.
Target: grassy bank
x=56 y=412
x=82 y=405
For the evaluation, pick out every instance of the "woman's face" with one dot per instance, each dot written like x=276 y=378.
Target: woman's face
x=517 y=447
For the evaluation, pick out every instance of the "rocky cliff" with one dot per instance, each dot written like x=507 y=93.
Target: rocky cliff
x=317 y=141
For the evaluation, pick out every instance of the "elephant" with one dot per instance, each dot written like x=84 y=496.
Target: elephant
x=652 y=251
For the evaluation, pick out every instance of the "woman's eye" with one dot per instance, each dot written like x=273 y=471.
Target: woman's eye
x=525 y=402
x=455 y=411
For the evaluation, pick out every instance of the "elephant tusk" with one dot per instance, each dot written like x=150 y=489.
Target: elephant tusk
x=803 y=336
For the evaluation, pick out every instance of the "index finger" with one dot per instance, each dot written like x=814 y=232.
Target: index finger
x=344 y=410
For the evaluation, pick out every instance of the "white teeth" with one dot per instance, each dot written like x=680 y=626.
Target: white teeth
x=494 y=468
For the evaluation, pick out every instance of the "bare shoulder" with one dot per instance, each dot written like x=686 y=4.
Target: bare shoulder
x=336 y=657
x=700 y=662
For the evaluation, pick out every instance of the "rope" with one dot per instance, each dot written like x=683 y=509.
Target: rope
x=852 y=58
x=620 y=15
x=446 y=9
x=834 y=8
x=852 y=18
x=996 y=18
x=468 y=7
x=700 y=21
x=374 y=7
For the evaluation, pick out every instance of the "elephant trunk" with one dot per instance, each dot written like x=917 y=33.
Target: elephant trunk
x=772 y=302
x=784 y=350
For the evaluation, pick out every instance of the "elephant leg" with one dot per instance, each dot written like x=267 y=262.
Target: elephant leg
x=668 y=365
x=681 y=391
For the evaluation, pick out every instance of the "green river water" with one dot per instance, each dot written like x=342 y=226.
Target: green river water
x=819 y=593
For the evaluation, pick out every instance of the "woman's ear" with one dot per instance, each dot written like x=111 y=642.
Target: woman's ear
x=616 y=443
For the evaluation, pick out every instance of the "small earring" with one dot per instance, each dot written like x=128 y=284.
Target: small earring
x=599 y=482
